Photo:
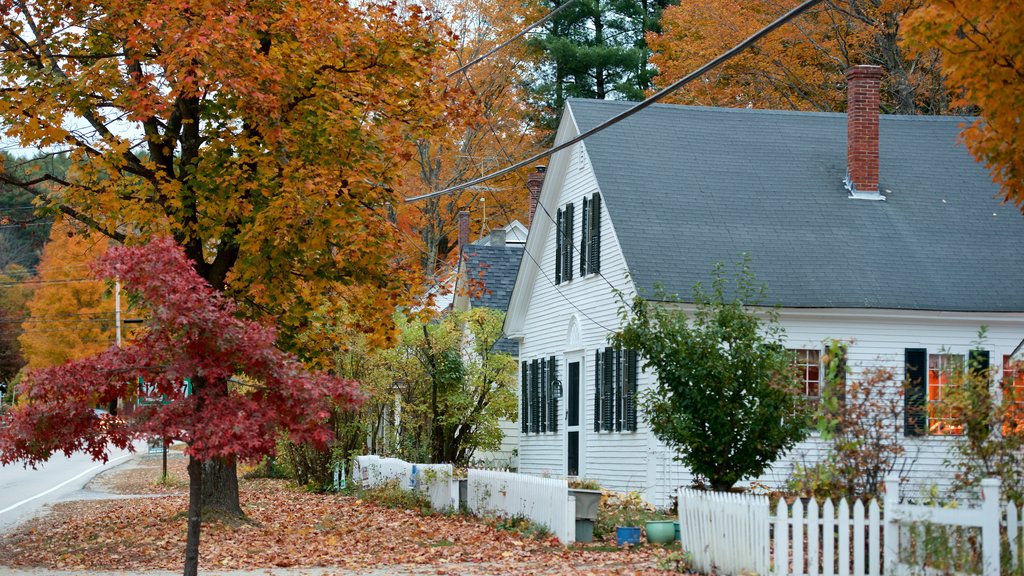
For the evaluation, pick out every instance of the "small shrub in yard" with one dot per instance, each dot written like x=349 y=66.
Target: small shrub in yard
x=521 y=525
x=624 y=509
x=392 y=495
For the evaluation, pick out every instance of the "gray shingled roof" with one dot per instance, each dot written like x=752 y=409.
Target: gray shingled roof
x=690 y=186
x=496 y=268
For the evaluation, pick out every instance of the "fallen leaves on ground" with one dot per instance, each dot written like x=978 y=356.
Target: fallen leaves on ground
x=293 y=528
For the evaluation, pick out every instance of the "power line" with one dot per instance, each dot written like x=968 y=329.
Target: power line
x=729 y=54
x=564 y=297
x=517 y=36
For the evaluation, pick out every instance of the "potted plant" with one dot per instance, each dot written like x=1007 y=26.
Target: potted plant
x=628 y=512
x=660 y=531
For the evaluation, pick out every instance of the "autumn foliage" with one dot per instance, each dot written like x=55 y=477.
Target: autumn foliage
x=801 y=65
x=264 y=137
x=69 y=315
x=980 y=43
x=194 y=332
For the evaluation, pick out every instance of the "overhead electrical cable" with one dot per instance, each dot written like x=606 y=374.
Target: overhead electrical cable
x=724 y=57
x=519 y=35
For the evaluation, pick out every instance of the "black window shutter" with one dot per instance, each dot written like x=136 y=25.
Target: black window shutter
x=618 y=390
x=915 y=417
x=608 y=398
x=598 y=392
x=552 y=398
x=584 y=238
x=977 y=362
x=631 y=390
x=545 y=382
x=595 y=234
x=558 y=247
x=524 y=426
x=570 y=243
x=534 y=397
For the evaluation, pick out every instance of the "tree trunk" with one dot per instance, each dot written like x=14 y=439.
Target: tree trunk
x=195 y=511
x=220 y=475
x=220 y=487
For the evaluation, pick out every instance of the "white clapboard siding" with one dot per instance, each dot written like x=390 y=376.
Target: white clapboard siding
x=724 y=533
x=544 y=501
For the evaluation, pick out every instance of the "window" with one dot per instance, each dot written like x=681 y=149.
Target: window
x=928 y=379
x=538 y=401
x=590 y=236
x=615 y=390
x=943 y=374
x=807 y=363
x=1013 y=394
x=564 y=243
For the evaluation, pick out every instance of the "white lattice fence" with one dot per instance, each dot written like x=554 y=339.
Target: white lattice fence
x=545 y=501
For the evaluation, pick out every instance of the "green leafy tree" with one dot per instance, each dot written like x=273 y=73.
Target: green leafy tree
x=726 y=399
x=595 y=49
x=455 y=385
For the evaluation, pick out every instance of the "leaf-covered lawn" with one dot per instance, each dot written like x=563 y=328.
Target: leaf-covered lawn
x=294 y=528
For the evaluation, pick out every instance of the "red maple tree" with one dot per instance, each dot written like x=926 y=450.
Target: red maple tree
x=193 y=333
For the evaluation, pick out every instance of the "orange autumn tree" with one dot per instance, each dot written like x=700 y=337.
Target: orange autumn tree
x=983 y=56
x=801 y=66
x=264 y=137
x=70 y=314
x=483 y=131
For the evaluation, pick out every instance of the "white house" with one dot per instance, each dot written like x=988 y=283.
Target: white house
x=878 y=230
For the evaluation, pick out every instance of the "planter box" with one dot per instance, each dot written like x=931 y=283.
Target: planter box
x=587 y=503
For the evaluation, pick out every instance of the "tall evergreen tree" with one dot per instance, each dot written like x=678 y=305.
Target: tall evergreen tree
x=595 y=49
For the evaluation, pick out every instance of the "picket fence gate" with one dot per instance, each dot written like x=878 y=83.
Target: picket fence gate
x=730 y=534
x=545 y=501
x=724 y=533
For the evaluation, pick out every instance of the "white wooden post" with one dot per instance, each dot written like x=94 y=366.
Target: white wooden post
x=858 y=538
x=828 y=540
x=990 y=528
x=891 y=528
x=1012 y=532
x=844 y=538
x=812 y=538
x=798 y=537
x=781 y=539
x=874 y=552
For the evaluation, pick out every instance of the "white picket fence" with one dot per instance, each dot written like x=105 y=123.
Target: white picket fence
x=545 y=501
x=729 y=534
x=433 y=480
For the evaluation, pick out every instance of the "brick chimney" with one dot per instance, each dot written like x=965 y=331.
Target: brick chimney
x=862 y=104
x=534 y=182
x=463 y=230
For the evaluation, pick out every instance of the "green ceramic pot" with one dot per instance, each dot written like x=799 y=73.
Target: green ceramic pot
x=661 y=531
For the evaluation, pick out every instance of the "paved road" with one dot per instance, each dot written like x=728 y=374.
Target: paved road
x=23 y=492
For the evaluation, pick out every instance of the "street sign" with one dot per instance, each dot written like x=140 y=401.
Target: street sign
x=148 y=395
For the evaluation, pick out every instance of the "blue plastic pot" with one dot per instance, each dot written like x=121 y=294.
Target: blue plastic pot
x=627 y=535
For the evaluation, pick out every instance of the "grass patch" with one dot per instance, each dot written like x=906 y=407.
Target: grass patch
x=522 y=526
x=392 y=495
